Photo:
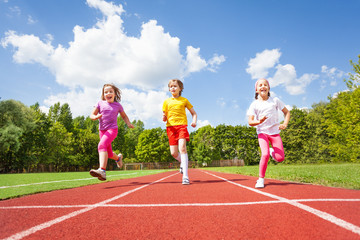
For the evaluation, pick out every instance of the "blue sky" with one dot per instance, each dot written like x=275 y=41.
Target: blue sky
x=64 y=51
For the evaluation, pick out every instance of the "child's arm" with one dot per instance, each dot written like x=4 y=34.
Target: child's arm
x=252 y=122
x=126 y=119
x=95 y=114
x=194 y=117
x=286 y=119
x=164 y=117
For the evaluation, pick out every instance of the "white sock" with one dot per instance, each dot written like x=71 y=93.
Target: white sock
x=184 y=164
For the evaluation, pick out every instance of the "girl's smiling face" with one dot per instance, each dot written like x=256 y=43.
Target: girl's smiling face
x=263 y=89
x=109 y=94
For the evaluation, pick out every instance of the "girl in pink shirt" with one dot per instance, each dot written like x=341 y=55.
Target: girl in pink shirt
x=107 y=112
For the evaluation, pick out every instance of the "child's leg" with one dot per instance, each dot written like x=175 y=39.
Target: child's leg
x=264 y=146
x=277 y=145
x=103 y=159
x=174 y=150
x=184 y=157
x=104 y=147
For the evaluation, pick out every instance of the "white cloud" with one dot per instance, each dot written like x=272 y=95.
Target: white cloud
x=30 y=49
x=215 y=62
x=143 y=105
x=15 y=11
x=202 y=123
x=104 y=53
x=333 y=74
x=260 y=65
x=194 y=62
x=285 y=75
x=31 y=20
x=108 y=9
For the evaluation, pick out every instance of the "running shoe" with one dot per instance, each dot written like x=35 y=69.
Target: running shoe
x=100 y=174
x=185 y=181
x=119 y=162
x=271 y=150
x=260 y=183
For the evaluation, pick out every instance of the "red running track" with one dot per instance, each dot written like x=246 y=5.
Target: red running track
x=214 y=206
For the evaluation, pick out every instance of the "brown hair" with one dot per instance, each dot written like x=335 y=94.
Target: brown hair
x=116 y=90
x=181 y=85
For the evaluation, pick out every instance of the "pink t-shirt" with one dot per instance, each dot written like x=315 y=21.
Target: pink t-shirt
x=109 y=113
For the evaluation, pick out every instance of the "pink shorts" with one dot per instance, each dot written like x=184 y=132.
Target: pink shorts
x=177 y=132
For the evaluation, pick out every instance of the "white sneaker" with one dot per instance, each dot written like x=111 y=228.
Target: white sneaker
x=271 y=150
x=100 y=174
x=119 y=162
x=185 y=181
x=260 y=183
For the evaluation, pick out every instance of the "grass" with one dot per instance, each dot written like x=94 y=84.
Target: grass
x=16 y=185
x=345 y=175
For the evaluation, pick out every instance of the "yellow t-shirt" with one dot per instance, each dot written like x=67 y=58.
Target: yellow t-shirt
x=174 y=109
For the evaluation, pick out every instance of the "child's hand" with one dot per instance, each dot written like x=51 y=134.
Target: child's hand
x=282 y=126
x=193 y=124
x=130 y=125
x=98 y=116
x=164 y=118
x=262 y=119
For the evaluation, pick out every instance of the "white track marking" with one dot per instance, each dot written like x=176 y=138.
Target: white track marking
x=181 y=204
x=323 y=215
x=42 y=226
x=57 y=181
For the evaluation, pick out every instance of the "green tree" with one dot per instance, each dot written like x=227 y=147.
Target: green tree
x=34 y=143
x=295 y=136
x=354 y=79
x=86 y=154
x=153 y=146
x=316 y=142
x=16 y=119
x=342 y=118
x=62 y=114
x=247 y=145
x=203 y=145
x=226 y=141
x=131 y=138
x=60 y=144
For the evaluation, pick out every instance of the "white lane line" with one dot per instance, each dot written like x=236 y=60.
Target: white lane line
x=42 y=226
x=326 y=216
x=58 y=181
x=180 y=204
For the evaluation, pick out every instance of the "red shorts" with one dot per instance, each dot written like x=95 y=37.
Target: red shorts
x=177 y=132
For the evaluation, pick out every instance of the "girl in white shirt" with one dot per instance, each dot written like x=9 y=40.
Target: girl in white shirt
x=263 y=113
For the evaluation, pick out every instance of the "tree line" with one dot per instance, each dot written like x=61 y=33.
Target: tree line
x=31 y=140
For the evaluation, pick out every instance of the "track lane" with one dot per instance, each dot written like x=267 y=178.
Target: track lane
x=224 y=211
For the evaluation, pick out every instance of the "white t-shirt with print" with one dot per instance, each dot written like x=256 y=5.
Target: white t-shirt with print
x=268 y=108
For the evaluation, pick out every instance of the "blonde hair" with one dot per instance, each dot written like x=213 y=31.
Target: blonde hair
x=116 y=90
x=181 y=85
